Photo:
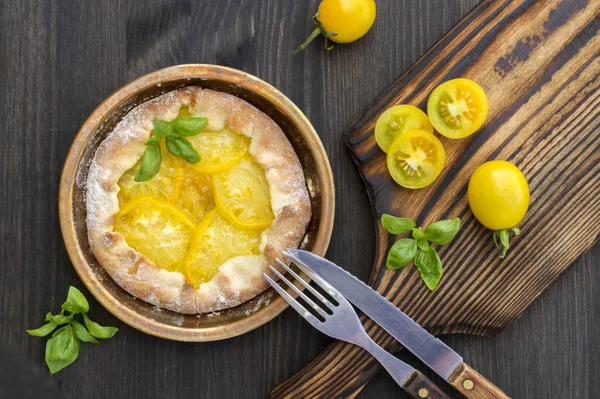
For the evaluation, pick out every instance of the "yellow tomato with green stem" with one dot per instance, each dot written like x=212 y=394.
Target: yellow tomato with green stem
x=342 y=21
x=499 y=198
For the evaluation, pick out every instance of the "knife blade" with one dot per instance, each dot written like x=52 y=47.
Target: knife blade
x=434 y=353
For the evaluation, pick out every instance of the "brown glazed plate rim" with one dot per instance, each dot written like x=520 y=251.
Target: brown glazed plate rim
x=91 y=125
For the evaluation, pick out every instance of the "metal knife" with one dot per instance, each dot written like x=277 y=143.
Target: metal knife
x=433 y=352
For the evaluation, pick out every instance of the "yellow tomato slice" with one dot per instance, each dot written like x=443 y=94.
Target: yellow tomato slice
x=215 y=241
x=397 y=120
x=156 y=229
x=457 y=108
x=156 y=203
x=218 y=151
x=242 y=195
x=416 y=159
x=195 y=198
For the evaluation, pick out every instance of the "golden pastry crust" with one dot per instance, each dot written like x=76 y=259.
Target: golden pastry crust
x=240 y=278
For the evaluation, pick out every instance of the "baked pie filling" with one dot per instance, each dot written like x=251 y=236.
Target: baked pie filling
x=192 y=218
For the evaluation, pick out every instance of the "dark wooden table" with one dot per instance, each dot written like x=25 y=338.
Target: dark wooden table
x=59 y=59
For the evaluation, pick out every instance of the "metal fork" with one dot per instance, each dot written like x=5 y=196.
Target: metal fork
x=341 y=322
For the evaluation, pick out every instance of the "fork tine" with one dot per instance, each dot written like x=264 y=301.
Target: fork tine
x=318 y=280
x=295 y=304
x=316 y=293
x=301 y=294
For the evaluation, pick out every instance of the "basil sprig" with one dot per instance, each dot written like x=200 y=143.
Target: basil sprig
x=418 y=248
x=174 y=133
x=62 y=348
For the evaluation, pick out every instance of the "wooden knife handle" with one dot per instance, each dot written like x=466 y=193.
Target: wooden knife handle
x=421 y=387
x=473 y=385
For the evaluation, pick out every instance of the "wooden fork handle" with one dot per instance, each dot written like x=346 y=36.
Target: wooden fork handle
x=416 y=384
x=420 y=387
x=473 y=385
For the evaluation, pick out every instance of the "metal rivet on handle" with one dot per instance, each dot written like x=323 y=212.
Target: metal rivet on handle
x=423 y=393
x=468 y=384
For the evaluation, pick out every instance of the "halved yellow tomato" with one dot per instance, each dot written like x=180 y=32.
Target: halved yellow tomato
x=457 y=108
x=397 y=120
x=416 y=159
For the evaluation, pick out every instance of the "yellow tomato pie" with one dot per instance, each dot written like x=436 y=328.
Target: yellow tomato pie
x=196 y=237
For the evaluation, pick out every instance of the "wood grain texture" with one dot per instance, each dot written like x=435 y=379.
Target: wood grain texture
x=539 y=63
x=60 y=58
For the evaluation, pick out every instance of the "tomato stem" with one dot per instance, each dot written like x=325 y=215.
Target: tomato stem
x=327 y=46
x=504 y=237
x=318 y=31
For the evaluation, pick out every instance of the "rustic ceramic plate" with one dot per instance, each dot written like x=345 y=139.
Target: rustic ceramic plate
x=133 y=311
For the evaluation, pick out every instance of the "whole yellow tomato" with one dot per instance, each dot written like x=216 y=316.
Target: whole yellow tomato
x=499 y=198
x=342 y=21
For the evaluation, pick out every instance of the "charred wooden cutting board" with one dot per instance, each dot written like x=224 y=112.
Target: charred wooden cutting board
x=539 y=63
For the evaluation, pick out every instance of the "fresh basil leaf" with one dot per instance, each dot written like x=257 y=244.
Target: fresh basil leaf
x=429 y=265
x=82 y=332
x=62 y=349
x=417 y=234
x=182 y=148
x=162 y=128
x=76 y=302
x=173 y=147
x=442 y=232
x=189 y=125
x=43 y=330
x=59 y=319
x=150 y=163
x=423 y=244
x=97 y=330
x=402 y=252
x=396 y=225
x=152 y=140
